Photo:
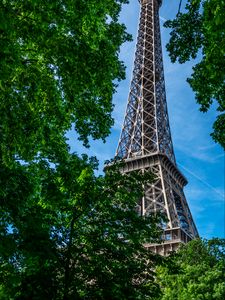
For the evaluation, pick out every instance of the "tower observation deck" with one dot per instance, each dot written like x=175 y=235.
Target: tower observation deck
x=145 y=142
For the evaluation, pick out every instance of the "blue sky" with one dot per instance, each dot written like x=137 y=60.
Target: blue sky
x=198 y=157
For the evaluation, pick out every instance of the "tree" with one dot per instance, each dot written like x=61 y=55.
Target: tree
x=77 y=236
x=195 y=272
x=59 y=62
x=200 y=32
x=64 y=232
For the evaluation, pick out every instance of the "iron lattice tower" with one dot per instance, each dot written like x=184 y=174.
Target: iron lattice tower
x=145 y=142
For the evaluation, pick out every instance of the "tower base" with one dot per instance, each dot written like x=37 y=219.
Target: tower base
x=172 y=239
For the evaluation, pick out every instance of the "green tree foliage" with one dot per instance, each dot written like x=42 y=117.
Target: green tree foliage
x=197 y=272
x=59 y=60
x=200 y=31
x=65 y=233
x=75 y=235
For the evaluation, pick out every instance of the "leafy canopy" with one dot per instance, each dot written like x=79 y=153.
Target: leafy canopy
x=64 y=232
x=59 y=63
x=76 y=236
x=195 y=272
x=199 y=32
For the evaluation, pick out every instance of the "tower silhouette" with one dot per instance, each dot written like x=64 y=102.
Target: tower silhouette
x=145 y=142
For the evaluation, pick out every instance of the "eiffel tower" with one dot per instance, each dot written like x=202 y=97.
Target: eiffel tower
x=145 y=142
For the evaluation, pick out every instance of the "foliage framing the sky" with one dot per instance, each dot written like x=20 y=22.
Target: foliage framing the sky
x=59 y=60
x=200 y=32
x=197 y=272
x=65 y=233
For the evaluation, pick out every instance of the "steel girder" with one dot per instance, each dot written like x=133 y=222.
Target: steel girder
x=145 y=142
x=146 y=127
